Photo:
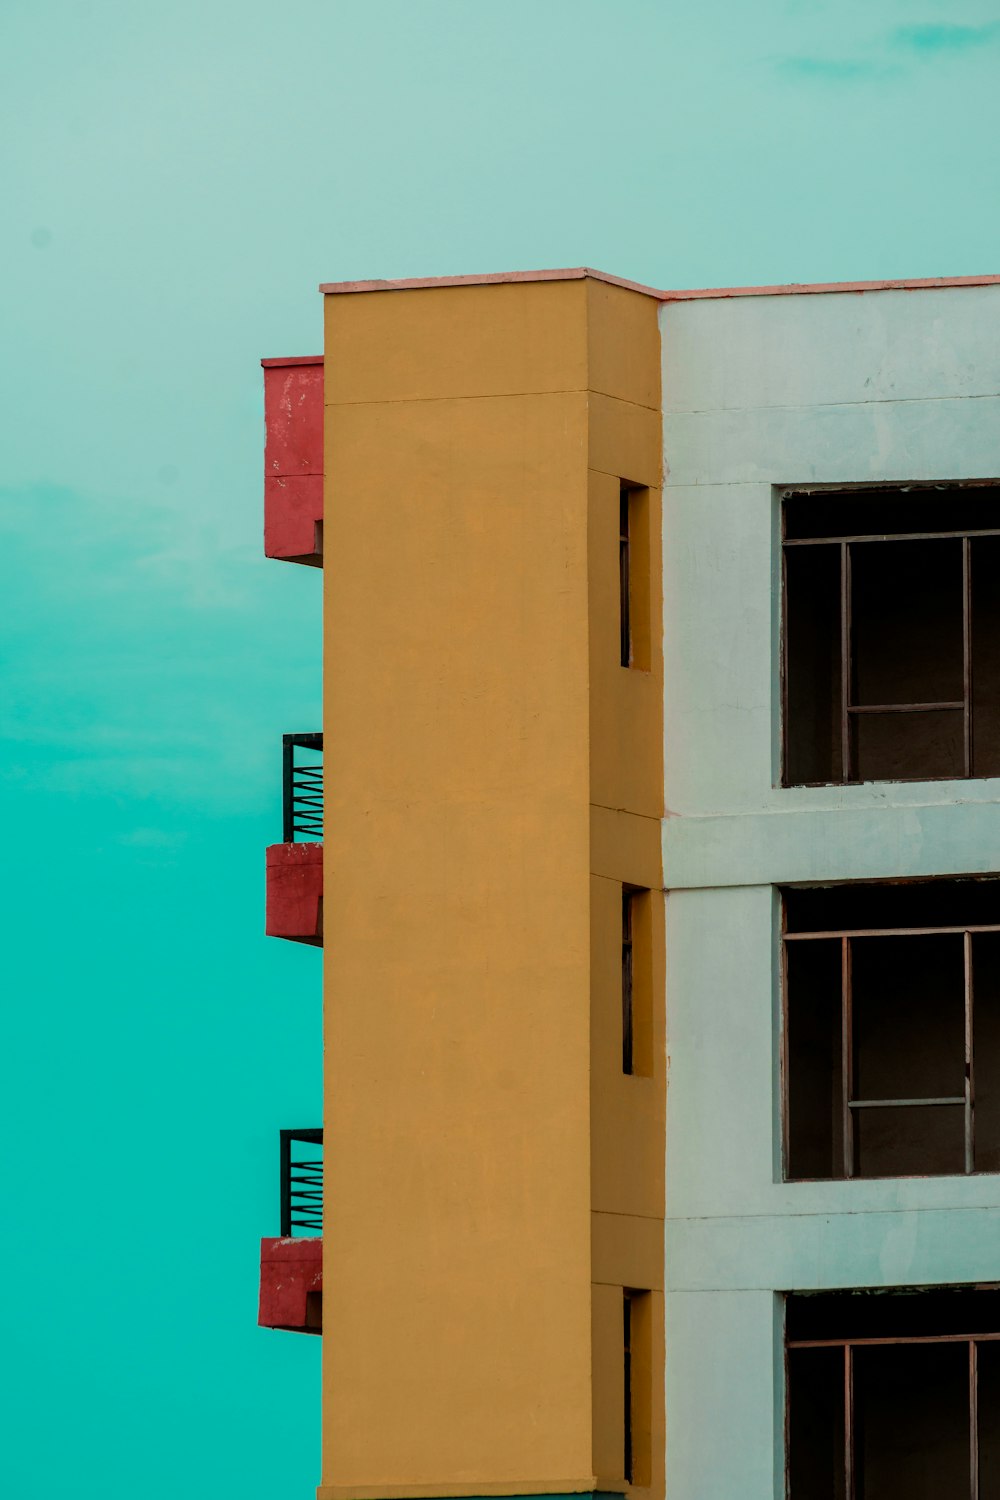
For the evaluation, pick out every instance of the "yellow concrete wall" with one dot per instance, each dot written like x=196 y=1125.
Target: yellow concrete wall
x=460 y=763
x=626 y=793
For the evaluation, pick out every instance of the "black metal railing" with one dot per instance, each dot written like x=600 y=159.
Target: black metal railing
x=301 y=1184
x=302 y=784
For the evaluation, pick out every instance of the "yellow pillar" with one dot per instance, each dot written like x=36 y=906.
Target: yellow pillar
x=494 y=778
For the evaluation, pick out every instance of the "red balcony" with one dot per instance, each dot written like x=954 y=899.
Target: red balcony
x=291 y=1269
x=291 y=1285
x=295 y=892
x=295 y=869
x=293 y=459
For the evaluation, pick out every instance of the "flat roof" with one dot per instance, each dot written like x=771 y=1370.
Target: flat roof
x=578 y=273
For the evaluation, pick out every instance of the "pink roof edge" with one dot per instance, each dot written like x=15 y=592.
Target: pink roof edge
x=578 y=273
x=293 y=359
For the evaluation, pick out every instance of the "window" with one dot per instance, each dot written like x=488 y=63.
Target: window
x=637 y=1386
x=634 y=576
x=891 y=1029
x=627 y=1371
x=893 y=1394
x=891 y=634
x=628 y=896
x=637 y=982
x=624 y=577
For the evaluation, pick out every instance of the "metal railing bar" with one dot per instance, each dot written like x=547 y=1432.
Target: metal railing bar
x=854 y=932
x=903 y=1103
x=905 y=708
x=301 y=1183
x=890 y=536
x=905 y=1338
x=302 y=789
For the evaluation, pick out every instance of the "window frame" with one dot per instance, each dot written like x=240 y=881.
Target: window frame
x=850 y=712
x=849 y=1106
x=851 y=1342
x=629 y=894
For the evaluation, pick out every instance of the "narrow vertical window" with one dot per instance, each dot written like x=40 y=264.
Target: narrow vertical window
x=624 y=578
x=627 y=1371
x=627 y=1001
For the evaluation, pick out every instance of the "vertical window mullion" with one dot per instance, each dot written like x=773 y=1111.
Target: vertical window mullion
x=970 y=1088
x=849 y=1462
x=973 y=1420
x=967 y=651
x=846 y=758
x=783 y=770
x=847 y=1054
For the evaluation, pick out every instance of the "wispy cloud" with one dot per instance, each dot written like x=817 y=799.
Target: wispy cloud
x=834 y=69
x=945 y=38
x=890 y=54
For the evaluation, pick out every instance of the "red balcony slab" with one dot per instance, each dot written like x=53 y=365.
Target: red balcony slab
x=291 y=1285
x=295 y=892
x=293 y=459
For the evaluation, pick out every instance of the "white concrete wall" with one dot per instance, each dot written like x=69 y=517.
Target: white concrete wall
x=760 y=394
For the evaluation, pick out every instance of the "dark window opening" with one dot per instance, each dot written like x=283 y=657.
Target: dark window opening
x=627 y=1371
x=891 y=640
x=624 y=578
x=892 y=1029
x=894 y=1395
x=628 y=897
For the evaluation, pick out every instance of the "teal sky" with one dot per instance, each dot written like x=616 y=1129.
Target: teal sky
x=176 y=180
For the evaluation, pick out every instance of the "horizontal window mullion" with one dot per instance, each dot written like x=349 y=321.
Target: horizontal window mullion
x=948 y=1099
x=906 y=1338
x=890 y=536
x=951 y=706
x=867 y=932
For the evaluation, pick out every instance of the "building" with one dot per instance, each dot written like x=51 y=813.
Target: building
x=661 y=736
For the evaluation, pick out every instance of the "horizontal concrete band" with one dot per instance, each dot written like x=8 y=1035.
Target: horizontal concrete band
x=871 y=840
x=819 y=1252
x=483 y=1492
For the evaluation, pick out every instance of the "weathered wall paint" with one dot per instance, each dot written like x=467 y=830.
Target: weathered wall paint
x=759 y=394
x=486 y=754
x=291 y=1284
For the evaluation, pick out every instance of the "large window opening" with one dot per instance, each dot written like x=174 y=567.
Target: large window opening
x=892 y=1029
x=891 y=635
x=894 y=1395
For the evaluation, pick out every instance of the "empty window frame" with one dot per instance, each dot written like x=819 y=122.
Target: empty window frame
x=637 y=982
x=637 y=1386
x=635 y=570
x=893 y=1394
x=891 y=1029
x=891 y=634
x=628 y=896
x=624 y=577
x=628 y=1464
